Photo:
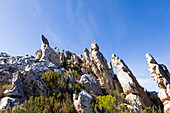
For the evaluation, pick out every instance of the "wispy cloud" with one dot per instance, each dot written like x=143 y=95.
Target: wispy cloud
x=35 y=7
x=83 y=23
x=148 y=83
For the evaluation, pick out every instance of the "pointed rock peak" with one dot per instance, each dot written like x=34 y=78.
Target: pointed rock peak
x=94 y=46
x=150 y=59
x=86 y=50
x=44 y=40
x=116 y=58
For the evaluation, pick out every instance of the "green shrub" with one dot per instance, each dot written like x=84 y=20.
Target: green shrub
x=42 y=104
x=55 y=80
x=153 y=109
x=110 y=104
x=106 y=102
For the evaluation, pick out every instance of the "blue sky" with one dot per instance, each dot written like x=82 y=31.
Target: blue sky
x=127 y=28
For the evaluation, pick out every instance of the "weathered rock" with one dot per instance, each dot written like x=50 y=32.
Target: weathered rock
x=38 y=54
x=68 y=55
x=155 y=99
x=161 y=75
x=82 y=102
x=91 y=84
x=62 y=57
x=100 y=67
x=3 y=54
x=9 y=101
x=134 y=108
x=48 y=53
x=135 y=94
x=25 y=85
x=26 y=81
x=87 y=59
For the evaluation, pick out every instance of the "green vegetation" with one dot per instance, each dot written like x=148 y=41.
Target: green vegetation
x=4 y=86
x=55 y=81
x=62 y=102
x=153 y=109
x=42 y=104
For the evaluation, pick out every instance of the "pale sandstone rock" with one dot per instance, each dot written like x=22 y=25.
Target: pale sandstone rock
x=134 y=108
x=87 y=59
x=48 y=53
x=100 y=67
x=3 y=54
x=82 y=102
x=135 y=94
x=8 y=101
x=26 y=80
x=91 y=84
x=161 y=75
x=38 y=54
x=62 y=57
x=68 y=55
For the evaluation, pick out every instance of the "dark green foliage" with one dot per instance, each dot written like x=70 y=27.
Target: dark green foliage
x=108 y=104
x=153 y=109
x=55 y=80
x=42 y=104
x=60 y=103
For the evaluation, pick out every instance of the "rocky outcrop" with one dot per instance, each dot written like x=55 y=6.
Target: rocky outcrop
x=100 y=68
x=82 y=102
x=26 y=80
x=87 y=59
x=38 y=54
x=47 y=53
x=9 y=101
x=135 y=94
x=161 y=75
x=91 y=84
x=3 y=54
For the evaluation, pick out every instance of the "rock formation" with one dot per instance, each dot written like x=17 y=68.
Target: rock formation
x=26 y=80
x=47 y=53
x=101 y=69
x=82 y=102
x=135 y=94
x=91 y=84
x=92 y=74
x=161 y=75
x=87 y=59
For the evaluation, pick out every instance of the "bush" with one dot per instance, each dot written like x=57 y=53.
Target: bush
x=42 y=104
x=110 y=104
x=55 y=80
x=60 y=103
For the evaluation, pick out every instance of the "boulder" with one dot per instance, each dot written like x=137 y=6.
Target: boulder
x=134 y=108
x=161 y=75
x=9 y=101
x=82 y=102
x=135 y=94
x=91 y=84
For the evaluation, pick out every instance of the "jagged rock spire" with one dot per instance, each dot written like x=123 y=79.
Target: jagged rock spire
x=161 y=75
x=135 y=94
x=44 y=40
x=47 y=53
x=101 y=69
